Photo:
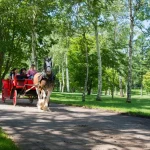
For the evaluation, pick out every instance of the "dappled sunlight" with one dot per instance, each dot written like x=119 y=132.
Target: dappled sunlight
x=73 y=128
x=138 y=106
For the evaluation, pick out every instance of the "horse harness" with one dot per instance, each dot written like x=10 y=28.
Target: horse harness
x=44 y=76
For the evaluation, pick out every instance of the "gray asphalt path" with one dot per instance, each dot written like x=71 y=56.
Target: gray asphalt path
x=72 y=128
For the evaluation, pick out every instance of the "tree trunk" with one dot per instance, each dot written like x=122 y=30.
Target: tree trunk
x=113 y=66
x=66 y=60
x=89 y=91
x=98 y=98
x=142 y=83
x=112 y=93
x=1 y=64
x=33 y=46
x=60 y=86
x=113 y=85
x=109 y=91
x=129 y=84
x=142 y=59
x=63 y=80
x=67 y=75
x=87 y=67
x=89 y=87
x=116 y=91
x=120 y=86
x=141 y=90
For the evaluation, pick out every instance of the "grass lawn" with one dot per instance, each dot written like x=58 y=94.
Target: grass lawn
x=6 y=143
x=139 y=106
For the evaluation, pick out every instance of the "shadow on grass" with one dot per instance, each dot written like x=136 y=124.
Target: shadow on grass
x=138 y=106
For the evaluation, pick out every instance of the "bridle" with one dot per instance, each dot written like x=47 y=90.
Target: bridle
x=48 y=65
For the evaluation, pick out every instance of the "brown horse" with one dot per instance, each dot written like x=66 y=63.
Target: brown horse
x=44 y=84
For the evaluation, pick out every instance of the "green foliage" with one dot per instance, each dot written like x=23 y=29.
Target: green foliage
x=6 y=143
x=146 y=81
x=111 y=79
x=16 y=28
x=140 y=60
x=77 y=62
x=59 y=27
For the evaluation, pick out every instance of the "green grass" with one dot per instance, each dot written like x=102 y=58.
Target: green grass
x=6 y=143
x=139 y=106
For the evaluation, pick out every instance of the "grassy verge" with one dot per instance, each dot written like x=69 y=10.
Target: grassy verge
x=6 y=143
x=139 y=106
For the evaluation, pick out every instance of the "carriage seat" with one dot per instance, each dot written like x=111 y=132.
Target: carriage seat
x=21 y=77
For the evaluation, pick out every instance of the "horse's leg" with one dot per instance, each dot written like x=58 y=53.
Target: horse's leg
x=42 y=102
x=40 y=98
x=50 y=90
x=39 y=89
x=47 y=100
x=38 y=102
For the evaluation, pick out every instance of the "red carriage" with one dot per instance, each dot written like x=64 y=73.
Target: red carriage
x=18 y=88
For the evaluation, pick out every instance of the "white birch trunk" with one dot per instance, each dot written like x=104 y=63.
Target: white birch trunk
x=67 y=75
x=87 y=68
x=99 y=65
x=63 y=80
x=33 y=46
x=120 y=86
x=129 y=85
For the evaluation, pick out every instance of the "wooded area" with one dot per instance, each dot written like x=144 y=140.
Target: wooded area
x=96 y=45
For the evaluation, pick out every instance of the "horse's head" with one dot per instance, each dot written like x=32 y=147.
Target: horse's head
x=48 y=65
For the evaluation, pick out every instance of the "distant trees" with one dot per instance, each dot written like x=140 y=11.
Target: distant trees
x=96 y=45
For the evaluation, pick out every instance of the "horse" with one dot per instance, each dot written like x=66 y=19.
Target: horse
x=44 y=84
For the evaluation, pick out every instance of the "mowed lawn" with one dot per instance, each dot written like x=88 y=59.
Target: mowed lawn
x=6 y=143
x=139 y=106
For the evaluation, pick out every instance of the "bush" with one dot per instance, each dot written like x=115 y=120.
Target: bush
x=146 y=81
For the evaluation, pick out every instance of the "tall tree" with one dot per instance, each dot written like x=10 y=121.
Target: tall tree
x=133 y=6
x=96 y=10
x=87 y=67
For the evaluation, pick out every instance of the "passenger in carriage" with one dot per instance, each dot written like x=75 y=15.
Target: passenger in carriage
x=13 y=73
x=23 y=74
x=10 y=75
x=31 y=72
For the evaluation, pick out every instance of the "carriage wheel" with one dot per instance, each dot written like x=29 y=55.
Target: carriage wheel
x=3 y=99
x=31 y=101
x=31 y=98
x=15 y=98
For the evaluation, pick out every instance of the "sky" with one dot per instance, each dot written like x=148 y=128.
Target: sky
x=146 y=23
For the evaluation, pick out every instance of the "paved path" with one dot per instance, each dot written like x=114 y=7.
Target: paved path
x=72 y=128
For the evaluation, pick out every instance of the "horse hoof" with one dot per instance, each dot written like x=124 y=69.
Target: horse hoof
x=39 y=107
x=46 y=109
x=40 y=110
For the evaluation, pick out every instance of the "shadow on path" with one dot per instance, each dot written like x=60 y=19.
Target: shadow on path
x=73 y=128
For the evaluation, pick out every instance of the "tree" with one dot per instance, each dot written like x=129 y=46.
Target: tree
x=97 y=16
x=11 y=39
x=134 y=6
x=146 y=81
x=78 y=63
